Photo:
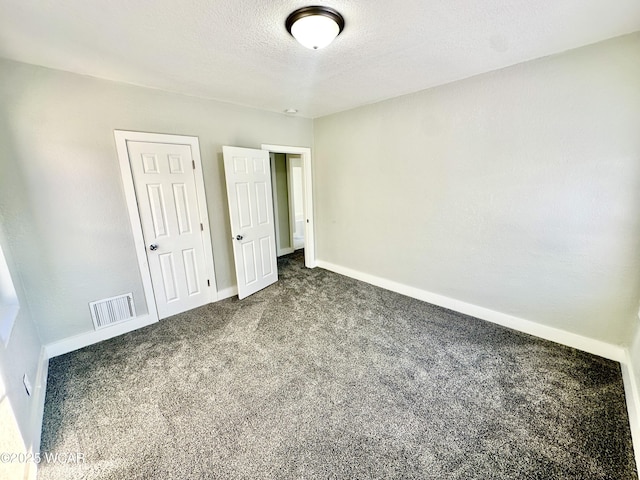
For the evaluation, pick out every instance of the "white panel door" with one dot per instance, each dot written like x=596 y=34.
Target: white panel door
x=248 y=175
x=163 y=176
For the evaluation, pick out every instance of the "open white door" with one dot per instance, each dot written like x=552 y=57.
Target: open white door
x=248 y=175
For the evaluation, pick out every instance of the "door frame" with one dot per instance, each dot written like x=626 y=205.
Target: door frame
x=307 y=172
x=292 y=201
x=122 y=137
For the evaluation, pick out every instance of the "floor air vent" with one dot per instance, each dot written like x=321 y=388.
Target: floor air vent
x=112 y=310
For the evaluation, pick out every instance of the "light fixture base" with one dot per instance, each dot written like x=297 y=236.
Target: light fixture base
x=323 y=21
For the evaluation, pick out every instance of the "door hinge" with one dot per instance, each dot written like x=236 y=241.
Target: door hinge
x=201 y=228
x=193 y=162
x=208 y=283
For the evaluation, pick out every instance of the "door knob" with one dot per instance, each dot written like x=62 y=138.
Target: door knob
x=239 y=237
x=153 y=246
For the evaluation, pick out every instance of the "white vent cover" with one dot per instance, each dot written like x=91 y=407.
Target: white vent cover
x=112 y=310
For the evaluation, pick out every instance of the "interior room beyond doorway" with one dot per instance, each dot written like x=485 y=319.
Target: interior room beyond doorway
x=288 y=202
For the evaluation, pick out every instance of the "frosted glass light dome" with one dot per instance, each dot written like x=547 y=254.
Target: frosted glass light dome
x=315 y=27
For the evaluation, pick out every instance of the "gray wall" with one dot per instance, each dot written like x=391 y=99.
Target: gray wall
x=21 y=354
x=70 y=215
x=518 y=190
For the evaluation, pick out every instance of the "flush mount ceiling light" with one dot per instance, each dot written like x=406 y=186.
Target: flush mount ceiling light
x=315 y=27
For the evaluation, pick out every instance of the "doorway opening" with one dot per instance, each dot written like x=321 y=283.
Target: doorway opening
x=288 y=202
x=251 y=213
x=292 y=185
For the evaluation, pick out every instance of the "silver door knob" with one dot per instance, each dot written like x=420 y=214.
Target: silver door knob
x=153 y=247
x=239 y=237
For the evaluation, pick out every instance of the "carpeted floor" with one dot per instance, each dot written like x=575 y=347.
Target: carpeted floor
x=322 y=376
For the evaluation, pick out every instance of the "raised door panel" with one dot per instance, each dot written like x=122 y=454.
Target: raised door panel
x=168 y=272
x=183 y=214
x=189 y=258
x=158 y=217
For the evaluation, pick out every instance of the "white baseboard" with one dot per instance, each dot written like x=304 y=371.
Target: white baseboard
x=227 y=292
x=39 y=393
x=632 y=396
x=596 y=347
x=285 y=251
x=37 y=411
x=590 y=345
x=82 y=340
x=77 y=342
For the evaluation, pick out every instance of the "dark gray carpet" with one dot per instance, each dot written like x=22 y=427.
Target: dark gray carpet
x=322 y=376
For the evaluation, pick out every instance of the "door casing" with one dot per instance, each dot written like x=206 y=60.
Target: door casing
x=292 y=202
x=122 y=137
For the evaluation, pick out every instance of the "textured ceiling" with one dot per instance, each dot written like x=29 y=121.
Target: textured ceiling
x=239 y=51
